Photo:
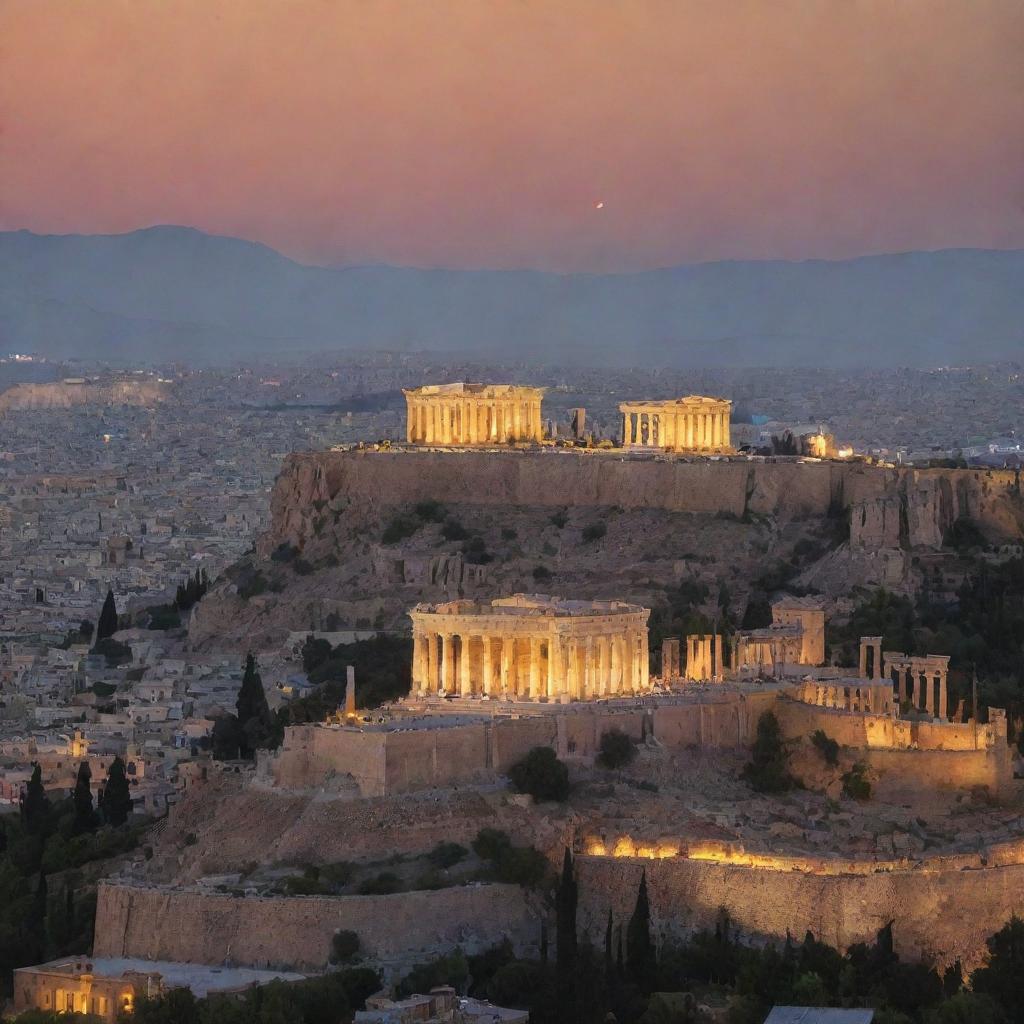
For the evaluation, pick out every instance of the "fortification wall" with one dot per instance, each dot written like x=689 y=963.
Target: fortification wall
x=295 y=932
x=927 y=755
x=891 y=507
x=940 y=911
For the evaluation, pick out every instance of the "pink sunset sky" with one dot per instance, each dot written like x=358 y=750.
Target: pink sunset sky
x=486 y=133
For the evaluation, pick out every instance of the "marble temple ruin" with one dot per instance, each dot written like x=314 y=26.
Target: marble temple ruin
x=695 y=423
x=468 y=414
x=530 y=647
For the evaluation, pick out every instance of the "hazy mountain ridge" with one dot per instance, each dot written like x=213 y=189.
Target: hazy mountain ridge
x=166 y=292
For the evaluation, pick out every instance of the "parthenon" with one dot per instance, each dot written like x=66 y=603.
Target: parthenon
x=694 y=423
x=464 y=414
x=530 y=647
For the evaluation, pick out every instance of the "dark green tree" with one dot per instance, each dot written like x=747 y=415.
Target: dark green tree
x=566 y=898
x=34 y=803
x=85 y=815
x=641 y=964
x=541 y=775
x=254 y=718
x=609 y=959
x=1000 y=978
x=767 y=771
x=107 y=625
x=116 y=798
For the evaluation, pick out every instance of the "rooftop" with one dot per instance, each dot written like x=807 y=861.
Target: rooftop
x=530 y=604
x=200 y=978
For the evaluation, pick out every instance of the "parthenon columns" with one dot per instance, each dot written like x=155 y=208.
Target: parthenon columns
x=690 y=424
x=538 y=667
x=466 y=414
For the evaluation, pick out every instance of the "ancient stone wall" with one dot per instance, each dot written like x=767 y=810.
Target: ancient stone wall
x=295 y=932
x=890 y=507
x=940 y=911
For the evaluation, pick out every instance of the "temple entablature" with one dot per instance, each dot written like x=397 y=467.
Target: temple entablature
x=473 y=414
x=530 y=647
x=695 y=423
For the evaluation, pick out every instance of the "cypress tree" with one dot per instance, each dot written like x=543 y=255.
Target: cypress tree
x=107 y=625
x=85 y=816
x=116 y=799
x=609 y=962
x=565 y=953
x=253 y=710
x=640 y=961
x=35 y=804
x=37 y=918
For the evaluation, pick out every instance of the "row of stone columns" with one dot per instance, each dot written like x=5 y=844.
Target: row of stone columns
x=676 y=429
x=876 y=700
x=530 y=667
x=473 y=421
x=921 y=682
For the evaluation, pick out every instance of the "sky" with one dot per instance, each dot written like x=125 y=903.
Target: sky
x=568 y=135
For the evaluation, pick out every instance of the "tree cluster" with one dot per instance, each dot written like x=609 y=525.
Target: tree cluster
x=192 y=590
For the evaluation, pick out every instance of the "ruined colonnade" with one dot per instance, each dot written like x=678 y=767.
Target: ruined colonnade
x=529 y=647
x=694 y=423
x=466 y=414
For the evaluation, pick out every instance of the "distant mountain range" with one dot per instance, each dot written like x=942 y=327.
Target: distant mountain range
x=169 y=292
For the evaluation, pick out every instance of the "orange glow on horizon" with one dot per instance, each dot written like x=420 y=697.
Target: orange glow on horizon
x=457 y=133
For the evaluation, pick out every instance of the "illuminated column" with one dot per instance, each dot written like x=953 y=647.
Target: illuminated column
x=645 y=660
x=940 y=678
x=603 y=667
x=535 y=693
x=420 y=667
x=691 y=430
x=862 y=670
x=465 y=679
x=488 y=667
x=433 y=669
x=551 y=687
x=447 y=662
x=554 y=680
x=504 y=665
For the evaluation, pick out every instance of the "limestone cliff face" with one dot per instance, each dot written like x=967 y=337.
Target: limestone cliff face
x=65 y=395
x=722 y=523
x=889 y=508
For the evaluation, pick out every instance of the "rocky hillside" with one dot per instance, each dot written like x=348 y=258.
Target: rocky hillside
x=359 y=536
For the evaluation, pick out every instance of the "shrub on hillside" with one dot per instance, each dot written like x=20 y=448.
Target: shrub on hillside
x=768 y=771
x=541 y=775
x=617 y=749
x=344 y=946
x=827 y=746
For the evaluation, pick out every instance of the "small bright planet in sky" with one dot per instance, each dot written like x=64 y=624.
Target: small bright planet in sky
x=599 y=205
